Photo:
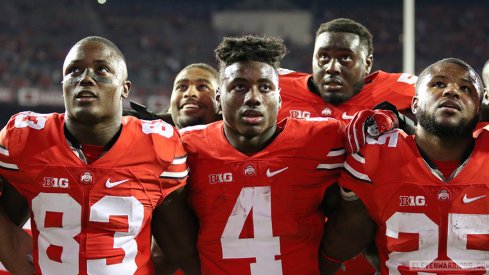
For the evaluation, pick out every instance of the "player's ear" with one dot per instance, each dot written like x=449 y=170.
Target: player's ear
x=414 y=105
x=126 y=88
x=485 y=96
x=218 y=100
x=369 y=62
x=279 y=99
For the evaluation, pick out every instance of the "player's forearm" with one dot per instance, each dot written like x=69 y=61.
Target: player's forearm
x=175 y=230
x=163 y=265
x=347 y=233
x=327 y=266
x=191 y=265
x=15 y=249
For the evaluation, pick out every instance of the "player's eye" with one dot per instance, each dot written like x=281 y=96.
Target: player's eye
x=203 y=87
x=466 y=89
x=438 y=84
x=323 y=58
x=346 y=58
x=74 y=70
x=181 y=87
x=239 y=88
x=103 y=69
x=265 y=88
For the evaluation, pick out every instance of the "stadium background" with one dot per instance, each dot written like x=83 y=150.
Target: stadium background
x=159 y=37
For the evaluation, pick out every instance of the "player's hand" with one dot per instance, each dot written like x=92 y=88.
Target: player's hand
x=405 y=123
x=371 y=123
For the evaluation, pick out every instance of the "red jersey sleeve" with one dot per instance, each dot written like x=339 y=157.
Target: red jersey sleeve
x=367 y=166
x=175 y=176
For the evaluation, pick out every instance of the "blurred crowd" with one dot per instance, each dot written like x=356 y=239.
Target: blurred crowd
x=160 y=37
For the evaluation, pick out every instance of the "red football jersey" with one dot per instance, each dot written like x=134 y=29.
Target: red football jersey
x=262 y=214
x=425 y=223
x=91 y=219
x=299 y=102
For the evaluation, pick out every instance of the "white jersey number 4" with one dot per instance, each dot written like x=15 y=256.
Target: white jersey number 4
x=263 y=246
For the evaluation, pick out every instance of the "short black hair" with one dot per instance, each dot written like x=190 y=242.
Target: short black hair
x=203 y=66
x=478 y=82
x=350 y=26
x=268 y=50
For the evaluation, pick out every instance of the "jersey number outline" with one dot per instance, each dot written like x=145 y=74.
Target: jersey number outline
x=407 y=78
x=460 y=226
x=64 y=236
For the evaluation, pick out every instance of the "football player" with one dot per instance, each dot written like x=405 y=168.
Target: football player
x=193 y=98
x=257 y=186
x=97 y=183
x=341 y=83
x=426 y=193
x=193 y=102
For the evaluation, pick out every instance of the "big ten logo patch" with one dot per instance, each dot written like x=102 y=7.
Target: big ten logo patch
x=412 y=201
x=299 y=114
x=55 y=182
x=220 y=178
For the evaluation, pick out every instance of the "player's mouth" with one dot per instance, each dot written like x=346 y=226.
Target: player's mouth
x=450 y=105
x=252 y=116
x=332 y=84
x=85 y=97
x=191 y=105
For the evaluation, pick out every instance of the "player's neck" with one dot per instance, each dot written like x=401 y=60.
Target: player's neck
x=251 y=145
x=99 y=134
x=443 y=149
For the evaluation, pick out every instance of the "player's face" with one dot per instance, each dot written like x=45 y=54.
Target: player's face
x=339 y=64
x=250 y=99
x=94 y=81
x=193 y=99
x=447 y=101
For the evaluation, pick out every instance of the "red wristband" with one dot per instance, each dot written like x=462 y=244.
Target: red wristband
x=336 y=261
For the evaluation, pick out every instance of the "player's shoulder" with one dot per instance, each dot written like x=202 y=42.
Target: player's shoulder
x=316 y=130
x=292 y=76
x=288 y=73
x=381 y=77
x=391 y=149
x=153 y=135
x=482 y=131
x=395 y=77
x=201 y=133
x=30 y=132
x=147 y=128
x=200 y=130
x=397 y=88
x=316 y=124
x=33 y=122
x=393 y=142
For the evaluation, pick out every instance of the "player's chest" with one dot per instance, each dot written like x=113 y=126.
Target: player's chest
x=255 y=172
x=281 y=182
x=88 y=184
x=431 y=199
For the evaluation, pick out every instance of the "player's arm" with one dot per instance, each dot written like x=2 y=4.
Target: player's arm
x=175 y=230
x=15 y=243
x=347 y=232
x=163 y=265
